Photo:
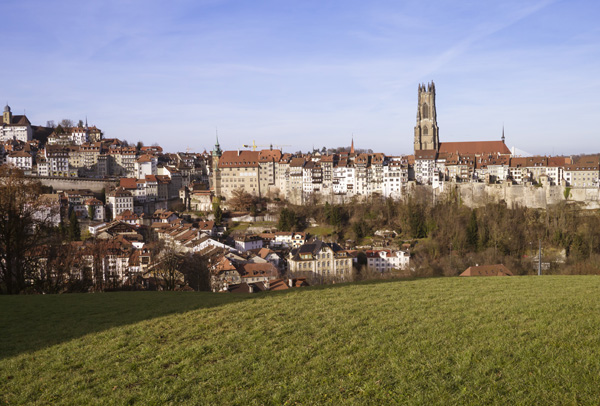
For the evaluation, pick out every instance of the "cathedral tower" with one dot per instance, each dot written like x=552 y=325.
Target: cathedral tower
x=426 y=130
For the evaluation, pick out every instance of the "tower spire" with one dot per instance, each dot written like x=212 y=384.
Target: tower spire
x=503 y=132
x=352 y=146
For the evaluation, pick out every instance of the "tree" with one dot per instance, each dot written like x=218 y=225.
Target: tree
x=168 y=267
x=58 y=266
x=24 y=224
x=241 y=200
x=195 y=272
x=50 y=124
x=287 y=220
x=472 y=231
x=59 y=129
x=66 y=123
x=80 y=124
x=217 y=212
x=74 y=230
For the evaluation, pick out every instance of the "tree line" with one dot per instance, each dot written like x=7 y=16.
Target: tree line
x=446 y=237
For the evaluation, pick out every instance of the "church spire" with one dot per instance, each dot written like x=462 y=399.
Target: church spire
x=352 y=146
x=217 y=149
x=503 y=133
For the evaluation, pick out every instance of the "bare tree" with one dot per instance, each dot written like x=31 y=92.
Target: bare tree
x=241 y=200
x=167 y=266
x=196 y=273
x=24 y=224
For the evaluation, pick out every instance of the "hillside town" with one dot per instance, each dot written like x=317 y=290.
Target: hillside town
x=147 y=204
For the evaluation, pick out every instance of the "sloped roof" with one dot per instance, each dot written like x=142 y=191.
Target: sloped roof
x=128 y=183
x=475 y=147
x=239 y=159
x=269 y=155
x=278 y=284
x=487 y=270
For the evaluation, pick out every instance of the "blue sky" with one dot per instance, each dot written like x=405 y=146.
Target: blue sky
x=304 y=73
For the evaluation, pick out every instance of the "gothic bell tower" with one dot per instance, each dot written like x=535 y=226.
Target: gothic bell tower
x=7 y=115
x=426 y=130
x=216 y=172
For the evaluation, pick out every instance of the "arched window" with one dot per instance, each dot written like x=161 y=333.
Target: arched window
x=425 y=131
x=425 y=110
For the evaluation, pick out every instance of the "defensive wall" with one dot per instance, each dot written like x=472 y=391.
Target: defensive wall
x=61 y=183
x=479 y=194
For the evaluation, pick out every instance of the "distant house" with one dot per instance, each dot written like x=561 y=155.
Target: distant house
x=487 y=270
x=321 y=259
x=387 y=260
x=270 y=256
x=245 y=243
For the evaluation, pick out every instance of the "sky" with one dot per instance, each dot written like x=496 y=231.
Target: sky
x=310 y=73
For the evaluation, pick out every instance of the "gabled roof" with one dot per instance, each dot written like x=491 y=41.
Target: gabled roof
x=128 y=183
x=269 y=155
x=487 y=270
x=297 y=162
x=19 y=120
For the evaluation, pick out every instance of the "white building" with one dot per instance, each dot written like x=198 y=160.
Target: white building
x=319 y=259
x=15 y=127
x=245 y=243
x=119 y=200
x=145 y=165
x=21 y=159
x=387 y=260
x=79 y=135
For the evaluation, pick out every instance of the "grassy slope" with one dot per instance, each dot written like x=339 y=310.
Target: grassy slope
x=521 y=340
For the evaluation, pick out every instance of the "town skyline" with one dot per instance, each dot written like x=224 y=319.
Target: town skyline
x=311 y=74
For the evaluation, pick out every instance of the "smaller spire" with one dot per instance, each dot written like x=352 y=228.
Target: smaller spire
x=352 y=146
x=503 y=132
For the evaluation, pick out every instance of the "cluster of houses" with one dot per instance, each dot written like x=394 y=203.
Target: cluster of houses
x=128 y=251
x=150 y=176
x=295 y=177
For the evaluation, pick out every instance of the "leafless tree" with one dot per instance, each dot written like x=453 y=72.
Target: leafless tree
x=25 y=222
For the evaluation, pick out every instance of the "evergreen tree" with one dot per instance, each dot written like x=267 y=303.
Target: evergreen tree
x=287 y=220
x=472 y=231
x=74 y=230
x=217 y=212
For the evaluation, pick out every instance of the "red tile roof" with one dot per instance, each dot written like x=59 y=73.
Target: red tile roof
x=475 y=147
x=239 y=159
x=487 y=270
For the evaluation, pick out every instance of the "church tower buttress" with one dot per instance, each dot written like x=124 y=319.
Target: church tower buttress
x=426 y=130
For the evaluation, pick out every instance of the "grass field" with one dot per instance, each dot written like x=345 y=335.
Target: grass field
x=518 y=340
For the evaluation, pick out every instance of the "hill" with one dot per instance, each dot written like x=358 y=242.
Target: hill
x=514 y=340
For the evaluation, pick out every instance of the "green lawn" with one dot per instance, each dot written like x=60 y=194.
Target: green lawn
x=320 y=231
x=517 y=340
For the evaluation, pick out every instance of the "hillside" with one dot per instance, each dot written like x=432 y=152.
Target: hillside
x=525 y=340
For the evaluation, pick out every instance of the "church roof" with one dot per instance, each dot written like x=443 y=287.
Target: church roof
x=475 y=147
x=19 y=120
